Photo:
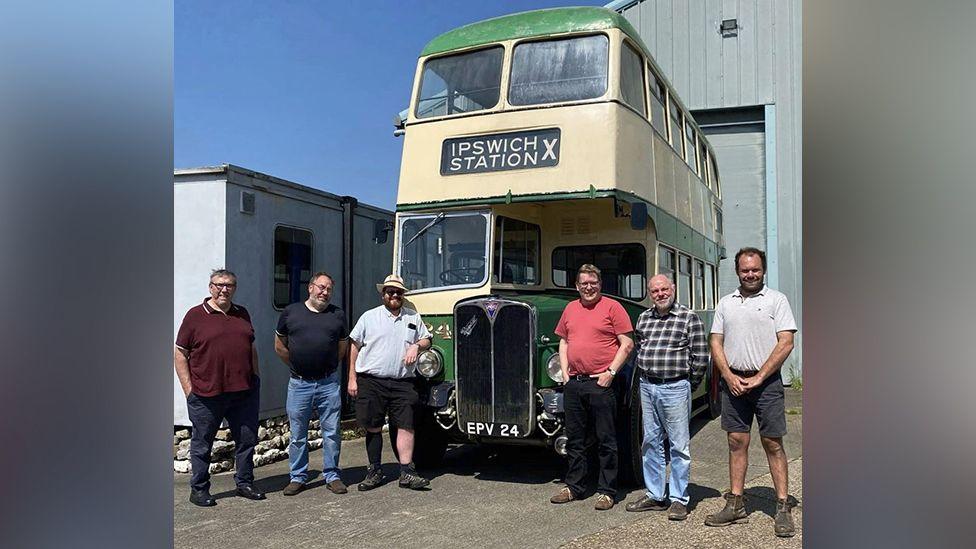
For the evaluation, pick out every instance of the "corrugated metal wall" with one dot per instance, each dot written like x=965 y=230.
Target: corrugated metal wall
x=756 y=65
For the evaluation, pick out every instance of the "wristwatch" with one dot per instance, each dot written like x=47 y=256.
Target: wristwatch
x=612 y=371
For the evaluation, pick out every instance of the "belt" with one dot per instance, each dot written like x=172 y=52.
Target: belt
x=581 y=377
x=744 y=373
x=659 y=380
x=309 y=378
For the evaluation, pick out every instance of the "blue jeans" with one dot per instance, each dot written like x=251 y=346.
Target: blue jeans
x=304 y=398
x=666 y=409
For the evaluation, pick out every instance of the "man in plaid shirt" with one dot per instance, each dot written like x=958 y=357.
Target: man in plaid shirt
x=672 y=356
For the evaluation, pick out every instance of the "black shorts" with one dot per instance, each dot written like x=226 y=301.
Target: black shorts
x=766 y=402
x=380 y=395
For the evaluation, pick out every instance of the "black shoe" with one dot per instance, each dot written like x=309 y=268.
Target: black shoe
x=374 y=478
x=248 y=491
x=202 y=498
x=413 y=481
x=645 y=503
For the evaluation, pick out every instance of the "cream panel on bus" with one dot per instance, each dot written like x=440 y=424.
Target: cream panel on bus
x=682 y=192
x=663 y=175
x=635 y=160
x=695 y=187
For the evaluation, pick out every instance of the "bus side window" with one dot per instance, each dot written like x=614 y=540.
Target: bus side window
x=658 y=98
x=676 y=137
x=684 y=280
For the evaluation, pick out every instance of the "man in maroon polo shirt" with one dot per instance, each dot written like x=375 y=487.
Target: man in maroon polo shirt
x=594 y=342
x=217 y=365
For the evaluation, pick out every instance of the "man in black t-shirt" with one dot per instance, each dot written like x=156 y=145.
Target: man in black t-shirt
x=312 y=339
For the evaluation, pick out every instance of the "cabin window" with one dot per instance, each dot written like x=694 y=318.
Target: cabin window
x=292 y=264
x=460 y=83
x=676 y=137
x=690 y=136
x=702 y=159
x=684 y=280
x=517 y=251
x=438 y=251
x=699 y=297
x=718 y=219
x=571 y=69
x=632 y=78
x=710 y=286
x=666 y=262
x=713 y=176
x=658 y=95
x=622 y=266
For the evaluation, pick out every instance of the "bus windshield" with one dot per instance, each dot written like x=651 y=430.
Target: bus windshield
x=460 y=83
x=443 y=250
x=571 y=69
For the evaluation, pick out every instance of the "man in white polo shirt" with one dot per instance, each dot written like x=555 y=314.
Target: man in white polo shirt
x=382 y=359
x=752 y=335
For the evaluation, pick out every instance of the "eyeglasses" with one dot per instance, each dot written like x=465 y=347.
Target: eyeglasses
x=392 y=293
x=321 y=287
x=229 y=286
x=587 y=283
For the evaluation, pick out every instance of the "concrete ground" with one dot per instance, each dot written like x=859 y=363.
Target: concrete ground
x=487 y=496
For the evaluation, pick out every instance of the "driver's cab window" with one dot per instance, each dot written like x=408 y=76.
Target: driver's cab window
x=516 y=257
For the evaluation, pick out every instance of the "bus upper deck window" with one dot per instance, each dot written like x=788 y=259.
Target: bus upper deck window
x=460 y=83
x=570 y=69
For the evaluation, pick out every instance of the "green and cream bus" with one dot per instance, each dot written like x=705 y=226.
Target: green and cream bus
x=535 y=143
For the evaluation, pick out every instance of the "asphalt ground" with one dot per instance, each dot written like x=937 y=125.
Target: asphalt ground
x=487 y=496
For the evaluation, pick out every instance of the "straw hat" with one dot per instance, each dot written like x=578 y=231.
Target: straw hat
x=392 y=281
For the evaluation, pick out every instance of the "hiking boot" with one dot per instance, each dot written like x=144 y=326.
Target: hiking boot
x=337 y=487
x=646 y=503
x=293 y=488
x=783 y=521
x=564 y=495
x=412 y=480
x=202 y=498
x=603 y=502
x=678 y=511
x=733 y=513
x=374 y=478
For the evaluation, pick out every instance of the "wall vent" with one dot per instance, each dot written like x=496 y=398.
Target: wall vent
x=247 y=202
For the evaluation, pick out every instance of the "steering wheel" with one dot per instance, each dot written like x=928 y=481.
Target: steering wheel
x=463 y=275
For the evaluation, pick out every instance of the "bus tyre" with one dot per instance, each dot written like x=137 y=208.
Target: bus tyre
x=714 y=395
x=630 y=435
x=430 y=443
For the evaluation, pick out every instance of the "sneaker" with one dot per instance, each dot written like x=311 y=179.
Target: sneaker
x=413 y=481
x=678 y=511
x=603 y=502
x=645 y=503
x=734 y=512
x=783 y=521
x=293 y=488
x=564 y=495
x=374 y=478
x=202 y=498
x=337 y=487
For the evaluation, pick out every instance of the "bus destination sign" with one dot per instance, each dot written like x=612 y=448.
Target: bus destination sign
x=500 y=152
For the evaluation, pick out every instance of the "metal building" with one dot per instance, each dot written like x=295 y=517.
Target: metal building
x=273 y=234
x=736 y=65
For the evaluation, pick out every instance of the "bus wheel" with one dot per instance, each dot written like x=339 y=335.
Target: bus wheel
x=714 y=395
x=430 y=443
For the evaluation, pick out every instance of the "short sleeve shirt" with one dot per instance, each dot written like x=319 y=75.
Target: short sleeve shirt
x=219 y=345
x=591 y=334
x=383 y=339
x=313 y=338
x=750 y=324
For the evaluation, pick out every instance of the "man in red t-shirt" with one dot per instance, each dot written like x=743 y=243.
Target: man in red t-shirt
x=594 y=342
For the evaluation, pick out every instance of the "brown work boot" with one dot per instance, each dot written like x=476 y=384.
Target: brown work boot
x=646 y=503
x=678 y=511
x=783 y=521
x=564 y=495
x=733 y=513
x=337 y=487
x=293 y=488
x=603 y=503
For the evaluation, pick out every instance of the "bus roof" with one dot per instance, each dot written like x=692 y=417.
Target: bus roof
x=531 y=23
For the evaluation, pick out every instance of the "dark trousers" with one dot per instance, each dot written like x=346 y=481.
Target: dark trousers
x=589 y=407
x=241 y=410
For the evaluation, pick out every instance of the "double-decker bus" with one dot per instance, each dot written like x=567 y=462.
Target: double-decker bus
x=535 y=143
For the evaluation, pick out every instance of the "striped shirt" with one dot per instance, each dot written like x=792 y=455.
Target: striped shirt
x=672 y=345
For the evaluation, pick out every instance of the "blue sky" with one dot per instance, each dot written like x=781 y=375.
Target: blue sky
x=307 y=90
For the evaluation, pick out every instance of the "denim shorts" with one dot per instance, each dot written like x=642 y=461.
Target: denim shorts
x=766 y=402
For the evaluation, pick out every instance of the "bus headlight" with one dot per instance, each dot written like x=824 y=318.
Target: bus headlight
x=555 y=372
x=429 y=363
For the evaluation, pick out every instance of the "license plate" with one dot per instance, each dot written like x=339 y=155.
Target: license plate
x=492 y=429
